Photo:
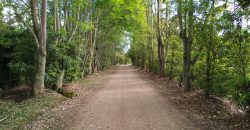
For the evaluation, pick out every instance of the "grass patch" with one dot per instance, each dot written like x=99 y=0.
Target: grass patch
x=22 y=113
x=89 y=80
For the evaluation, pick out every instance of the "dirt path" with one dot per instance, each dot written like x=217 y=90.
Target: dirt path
x=129 y=102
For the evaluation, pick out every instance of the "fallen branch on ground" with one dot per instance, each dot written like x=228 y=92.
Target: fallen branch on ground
x=3 y=119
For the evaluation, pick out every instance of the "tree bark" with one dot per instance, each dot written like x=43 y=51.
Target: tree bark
x=187 y=40
x=56 y=21
x=91 y=40
x=187 y=65
x=59 y=83
x=160 y=43
x=34 y=15
x=38 y=84
x=171 y=64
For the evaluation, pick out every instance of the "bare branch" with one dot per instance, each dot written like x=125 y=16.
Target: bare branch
x=3 y=119
x=27 y=26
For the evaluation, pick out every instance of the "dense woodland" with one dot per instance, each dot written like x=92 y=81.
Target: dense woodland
x=204 y=44
x=48 y=43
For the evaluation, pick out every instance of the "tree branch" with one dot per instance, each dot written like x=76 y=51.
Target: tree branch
x=27 y=26
x=3 y=119
x=196 y=56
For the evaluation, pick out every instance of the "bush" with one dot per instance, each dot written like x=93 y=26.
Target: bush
x=18 y=64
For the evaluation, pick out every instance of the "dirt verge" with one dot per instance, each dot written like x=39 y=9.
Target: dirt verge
x=212 y=113
x=67 y=112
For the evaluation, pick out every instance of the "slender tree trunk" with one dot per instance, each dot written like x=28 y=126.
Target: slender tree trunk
x=59 y=83
x=90 y=53
x=152 y=43
x=210 y=56
x=96 y=60
x=94 y=49
x=58 y=41
x=34 y=15
x=160 y=43
x=187 y=64
x=66 y=16
x=56 y=21
x=38 y=84
x=167 y=39
x=91 y=41
x=91 y=49
x=208 y=73
x=187 y=41
x=171 y=64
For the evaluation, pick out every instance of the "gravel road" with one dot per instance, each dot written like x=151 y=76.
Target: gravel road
x=129 y=102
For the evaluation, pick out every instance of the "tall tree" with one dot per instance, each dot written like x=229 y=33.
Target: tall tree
x=40 y=35
x=186 y=21
x=161 y=58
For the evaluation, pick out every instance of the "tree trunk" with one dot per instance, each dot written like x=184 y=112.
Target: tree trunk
x=91 y=41
x=56 y=21
x=59 y=83
x=160 y=43
x=38 y=84
x=93 y=48
x=152 y=45
x=187 y=64
x=168 y=37
x=91 y=53
x=171 y=64
x=34 y=15
x=208 y=73
x=187 y=40
x=160 y=56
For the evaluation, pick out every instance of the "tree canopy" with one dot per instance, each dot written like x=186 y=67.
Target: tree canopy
x=202 y=44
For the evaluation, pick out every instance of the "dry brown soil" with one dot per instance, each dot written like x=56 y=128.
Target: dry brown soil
x=129 y=102
x=124 y=100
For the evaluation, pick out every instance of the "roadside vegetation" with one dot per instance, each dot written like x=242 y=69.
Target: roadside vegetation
x=16 y=115
x=204 y=45
x=21 y=114
x=47 y=44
